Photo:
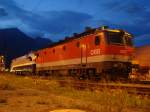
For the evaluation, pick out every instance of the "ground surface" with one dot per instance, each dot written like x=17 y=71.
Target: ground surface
x=23 y=94
x=67 y=110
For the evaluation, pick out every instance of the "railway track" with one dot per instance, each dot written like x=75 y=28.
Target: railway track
x=138 y=89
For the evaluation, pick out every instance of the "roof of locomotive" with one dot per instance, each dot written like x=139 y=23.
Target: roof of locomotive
x=75 y=36
x=81 y=35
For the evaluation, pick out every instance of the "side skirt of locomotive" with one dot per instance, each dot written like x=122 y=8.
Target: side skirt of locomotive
x=102 y=70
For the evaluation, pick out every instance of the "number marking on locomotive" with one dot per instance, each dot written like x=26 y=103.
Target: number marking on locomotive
x=95 y=52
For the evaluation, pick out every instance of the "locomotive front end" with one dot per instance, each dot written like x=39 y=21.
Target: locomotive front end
x=119 y=51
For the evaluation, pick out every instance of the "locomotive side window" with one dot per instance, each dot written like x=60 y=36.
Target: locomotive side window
x=78 y=44
x=97 y=40
x=53 y=50
x=64 y=48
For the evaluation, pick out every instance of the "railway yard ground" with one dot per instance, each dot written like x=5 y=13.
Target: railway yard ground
x=28 y=94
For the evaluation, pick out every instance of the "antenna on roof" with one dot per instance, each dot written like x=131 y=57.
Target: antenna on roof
x=104 y=27
x=87 y=28
x=66 y=38
x=75 y=34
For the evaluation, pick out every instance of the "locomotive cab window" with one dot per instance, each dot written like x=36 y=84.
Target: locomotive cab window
x=97 y=40
x=115 y=38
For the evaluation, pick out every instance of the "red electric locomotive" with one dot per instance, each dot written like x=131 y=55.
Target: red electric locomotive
x=95 y=53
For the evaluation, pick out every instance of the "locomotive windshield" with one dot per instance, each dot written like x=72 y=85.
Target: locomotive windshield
x=119 y=38
x=115 y=37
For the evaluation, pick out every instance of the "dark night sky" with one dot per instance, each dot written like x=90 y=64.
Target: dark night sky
x=58 y=18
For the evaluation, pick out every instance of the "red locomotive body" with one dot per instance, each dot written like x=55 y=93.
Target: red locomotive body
x=94 y=53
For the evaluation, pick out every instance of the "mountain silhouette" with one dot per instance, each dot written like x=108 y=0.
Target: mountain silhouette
x=14 y=43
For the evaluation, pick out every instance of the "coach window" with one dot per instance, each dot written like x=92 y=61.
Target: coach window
x=97 y=40
x=64 y=48
x=78 y=44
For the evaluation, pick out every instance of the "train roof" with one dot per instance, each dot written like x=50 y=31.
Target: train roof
x=24 y=56
x=87 y=31
x=75 y=36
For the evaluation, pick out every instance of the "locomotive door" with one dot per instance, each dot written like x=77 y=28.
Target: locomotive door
x=83 y=55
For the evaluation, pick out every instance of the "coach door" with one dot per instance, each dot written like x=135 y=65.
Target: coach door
x=83 y=54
